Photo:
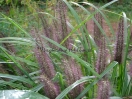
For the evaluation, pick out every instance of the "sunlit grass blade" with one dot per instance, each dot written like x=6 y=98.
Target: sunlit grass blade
x=21 y=94
x=17 y=40
x=114 y=97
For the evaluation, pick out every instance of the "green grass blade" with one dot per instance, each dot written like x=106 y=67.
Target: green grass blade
x=126 y=41
x=86 y=64
x=28 y=62
x=99 y=26
x=78 y=20
x=88 y=18
x=17 y=78
x=68 y=89
x=110 y=66
x=18 y=65
x=37 y=88
x=12 y=85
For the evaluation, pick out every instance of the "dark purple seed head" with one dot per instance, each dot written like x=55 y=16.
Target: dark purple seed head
x=103 y=89
x=118 y=53
x=101 y=58
x=97 y=32
x=72 y=74
x=46 y=67
x=51 y=89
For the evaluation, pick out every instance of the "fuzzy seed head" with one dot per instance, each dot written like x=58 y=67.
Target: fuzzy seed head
x=72 y=74
x=103 y=89
x=46 y=67
x=51 y=89
x=119 y=42
x=101 y=58
x=97 y=32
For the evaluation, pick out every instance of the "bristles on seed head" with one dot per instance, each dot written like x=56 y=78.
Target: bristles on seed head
x=119 y=42
x=103 y=89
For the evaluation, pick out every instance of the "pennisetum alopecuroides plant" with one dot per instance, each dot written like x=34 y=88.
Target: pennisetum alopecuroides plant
x=118 y=52
x=47 y=73
x=71 y=69
x=103 y=84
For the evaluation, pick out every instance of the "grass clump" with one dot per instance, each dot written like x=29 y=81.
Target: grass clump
x=60 y=57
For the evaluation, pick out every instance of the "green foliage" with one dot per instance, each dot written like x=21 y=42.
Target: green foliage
x=9 y=2
x=17 y=2
x=1 y=1
x=22 y=69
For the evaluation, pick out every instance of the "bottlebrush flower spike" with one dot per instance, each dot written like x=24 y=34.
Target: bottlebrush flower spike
x=72 y=74
x=51 y=89
x=47 y=69
x=97 y=32
x=101 y=58
x=71 y=69
x=55 y=33
x=101 y=43
x=62 y=17
x=45 y=63
x=48 y=32
x=42 y=56
x=119 y=42
x=103 y=89
x=46 y=26
x=103 y=85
